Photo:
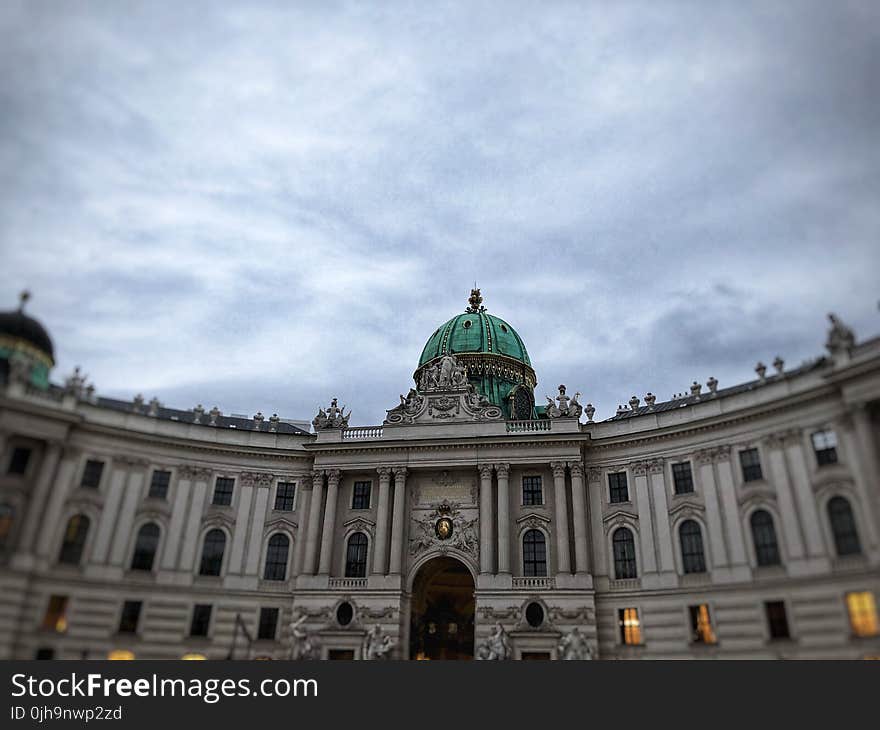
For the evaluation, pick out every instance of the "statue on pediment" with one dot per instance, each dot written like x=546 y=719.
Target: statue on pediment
x=333 y=417
x=565 y=406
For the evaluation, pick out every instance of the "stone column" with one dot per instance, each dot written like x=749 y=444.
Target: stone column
x=398 y=520
x=715 y=538
x=639 y=472
x=661 y=515
x=503 y=471
x=791 y=530
x=181 y=490
x=132 y=496
x=579 y=514
x=314 y=523
x=732 y=523
x=563 y=559
x=596 y=497
x=379 y=549
x=37 y=502
x=860 y=451
x=486 y=518
x=329 y=532
x=52 y=516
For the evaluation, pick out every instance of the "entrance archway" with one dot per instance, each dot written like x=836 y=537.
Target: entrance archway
x=442 y=611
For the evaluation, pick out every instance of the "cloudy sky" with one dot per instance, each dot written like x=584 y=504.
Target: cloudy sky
x=261 y=206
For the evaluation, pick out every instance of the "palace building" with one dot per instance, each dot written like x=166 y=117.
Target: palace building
x=475 y=522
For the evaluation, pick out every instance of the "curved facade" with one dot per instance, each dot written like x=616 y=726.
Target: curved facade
x=739 y=522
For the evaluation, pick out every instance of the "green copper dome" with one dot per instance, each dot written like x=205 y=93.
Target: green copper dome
x=496 y=359
x=475 y=332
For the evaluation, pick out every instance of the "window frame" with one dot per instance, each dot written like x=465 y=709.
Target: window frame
x=284 y=565
x=61 y=560
x=686 y=557
x=61 y=616
x=854 y=620
x=625 y=633
x=365 y=494
x=532 y=490
x=28 y=451
x=762 y=548
x=695 y=638
x=214 y=493
x=284 y=498
x=260 y=623
x=362 y=565
x=134 y=550
x=614 y=490
x=629 y=561
x=690 y=478
x=207 y=623
x=167 y=486
x=536 y=561
x=854 y=534
x=88 y=469
x=122 y=617
x=769 y=620
x=828 y=454
x=752 y=472
x=202 y=558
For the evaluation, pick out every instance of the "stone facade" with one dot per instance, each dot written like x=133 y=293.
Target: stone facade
x=449 y=478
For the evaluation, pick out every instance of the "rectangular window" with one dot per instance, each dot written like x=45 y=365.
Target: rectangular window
x=630 y=626
x=825 y=446
x=56 y=614
x=360 y=498
x=862 y=613
x=617 y=488
x=340 y=654
x=19 y=461
x=284 y=494
x=223 y=491
x=268 y=623
x=701 y=625
x=750 y=461
x=128 y=619
x=533 y=491
x=201 y=620
x=91 y=477
x=777 y=619
x=159 y=484
x=683 y=478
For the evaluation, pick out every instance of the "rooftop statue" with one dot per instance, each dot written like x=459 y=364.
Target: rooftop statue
x=567 y=408
x=333 y=417
x=840 y=337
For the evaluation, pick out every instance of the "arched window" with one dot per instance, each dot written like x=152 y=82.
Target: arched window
x=276 y=557
x=534 y=553
x=843 y=527
x=7 y=513
x=212 y=552
x=74 y=540
x=692 y=558
x=624 y=546
x=764 y=537
x=356 y=556
x=145 y=547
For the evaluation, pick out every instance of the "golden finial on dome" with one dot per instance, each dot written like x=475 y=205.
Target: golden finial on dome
x=475 y=302
x=22 y=299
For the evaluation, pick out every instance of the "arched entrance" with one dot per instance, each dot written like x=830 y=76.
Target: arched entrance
x=442 y=611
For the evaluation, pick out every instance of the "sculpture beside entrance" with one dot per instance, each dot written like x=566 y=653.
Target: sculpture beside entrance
x=496 y=646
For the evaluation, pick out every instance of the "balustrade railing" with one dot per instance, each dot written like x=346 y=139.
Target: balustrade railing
x=529 y=426
x=362 y=432
x=348 y=583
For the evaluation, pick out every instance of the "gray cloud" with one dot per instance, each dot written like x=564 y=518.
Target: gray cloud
x=262 y=206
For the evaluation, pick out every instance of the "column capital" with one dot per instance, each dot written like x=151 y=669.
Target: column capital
x=384 y=472
x=485 y=471
x=333 y=477
x=558 y=468
x=577 y=469
x=594 y=474
x=317 y=479
x=400 y=472
x=503 y=470
x=655 y=466
x=639 y=468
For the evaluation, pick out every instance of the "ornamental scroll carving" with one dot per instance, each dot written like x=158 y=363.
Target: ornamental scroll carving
x=443 y=394
x=443 y=529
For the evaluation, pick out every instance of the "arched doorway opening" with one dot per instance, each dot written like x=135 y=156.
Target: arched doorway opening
x=442 y=611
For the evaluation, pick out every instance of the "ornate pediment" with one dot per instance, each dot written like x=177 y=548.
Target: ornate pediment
x=444 y=394
x=533 y=520
x=359 y=524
